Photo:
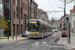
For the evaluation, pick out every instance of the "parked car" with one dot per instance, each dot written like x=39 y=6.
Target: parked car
x=64 y=33
x=56 y=30
x=25 y=34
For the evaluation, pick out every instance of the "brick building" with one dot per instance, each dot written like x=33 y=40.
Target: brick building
x=20 y=12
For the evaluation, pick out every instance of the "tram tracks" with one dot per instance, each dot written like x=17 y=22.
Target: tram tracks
x=45 y=41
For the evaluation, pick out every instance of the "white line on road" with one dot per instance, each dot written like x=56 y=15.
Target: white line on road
x=44 y=42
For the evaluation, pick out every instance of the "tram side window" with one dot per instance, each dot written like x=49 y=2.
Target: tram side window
x=40 y=28
x=50 y=29
x=47 y=29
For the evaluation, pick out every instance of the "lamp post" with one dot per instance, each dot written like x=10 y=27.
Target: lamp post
x=9 y=22
x=64 y=10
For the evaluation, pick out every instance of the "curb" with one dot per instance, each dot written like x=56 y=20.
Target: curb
x=59 y=43
x=18 y=39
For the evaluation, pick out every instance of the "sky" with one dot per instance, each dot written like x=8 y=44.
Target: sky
x=0 y=5
x=53 y=5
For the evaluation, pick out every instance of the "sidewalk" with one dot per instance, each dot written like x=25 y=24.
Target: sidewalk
x=63 y=41
x=19 y=37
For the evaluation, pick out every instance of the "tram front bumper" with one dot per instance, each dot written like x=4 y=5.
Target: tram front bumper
x=33 y=36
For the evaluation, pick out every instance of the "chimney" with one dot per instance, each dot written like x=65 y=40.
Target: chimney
x=74 y=9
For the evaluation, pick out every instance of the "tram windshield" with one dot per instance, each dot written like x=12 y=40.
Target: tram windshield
x=33 y=28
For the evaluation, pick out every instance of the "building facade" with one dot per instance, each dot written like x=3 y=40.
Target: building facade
x=18 y=12
x=72 y=17
x=0 y=1
x=42 y=15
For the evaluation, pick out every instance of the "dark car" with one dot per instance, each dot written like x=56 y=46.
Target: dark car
x=25 y=34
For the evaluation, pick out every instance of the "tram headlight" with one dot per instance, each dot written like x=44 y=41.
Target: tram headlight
x=28 y=32
x=37 y=32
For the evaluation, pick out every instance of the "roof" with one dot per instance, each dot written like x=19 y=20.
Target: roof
x=42 y=10
x=35 y=2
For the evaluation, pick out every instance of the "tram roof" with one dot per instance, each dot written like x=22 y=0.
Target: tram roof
x=42 y=22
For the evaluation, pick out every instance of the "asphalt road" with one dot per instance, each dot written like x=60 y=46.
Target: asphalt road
x=33 y=44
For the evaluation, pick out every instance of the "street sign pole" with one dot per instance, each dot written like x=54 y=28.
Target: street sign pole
x=68 y=30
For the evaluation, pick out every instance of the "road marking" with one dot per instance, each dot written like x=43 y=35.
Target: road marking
x=67 y=47
x=57 y=46
x=44 y=42
x=20 y=41
x=36 y=43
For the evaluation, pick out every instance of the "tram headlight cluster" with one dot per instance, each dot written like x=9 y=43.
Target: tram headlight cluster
x=37 y=32
x=28 y=32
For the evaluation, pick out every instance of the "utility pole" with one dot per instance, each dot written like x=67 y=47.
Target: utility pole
x=64 y=11
x=68 y=23
x=68 y=30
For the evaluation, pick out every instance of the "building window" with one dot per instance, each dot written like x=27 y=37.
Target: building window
x=21 y=29
x=21 y=3
x=17 y=8
x=29 y=0
x=25 y=21
x=6 y=9
x=14 y=14
x=17 y=12
x=17 y=28
x=33 y=3
x=21 y=14
x=17 y=3
x=27 y=9
x=13 y=29
x=21 y=9
x=14 y=1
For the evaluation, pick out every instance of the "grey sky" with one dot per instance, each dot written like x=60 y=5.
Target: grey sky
x=0 y=5
x=53 y=5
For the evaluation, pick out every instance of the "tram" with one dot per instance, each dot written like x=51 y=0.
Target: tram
x=39 y=29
